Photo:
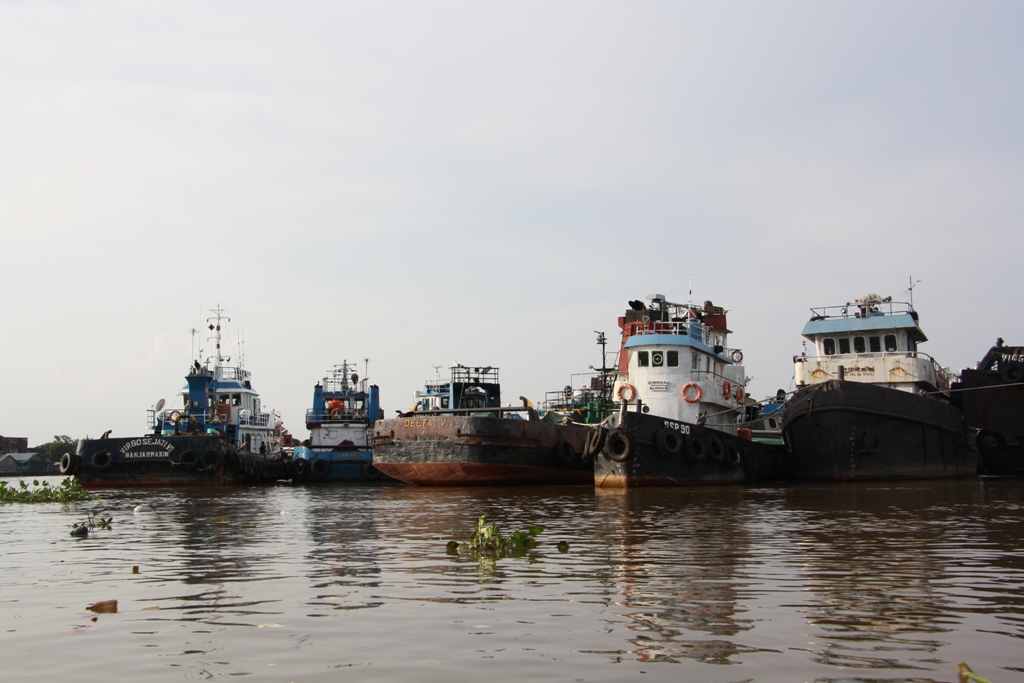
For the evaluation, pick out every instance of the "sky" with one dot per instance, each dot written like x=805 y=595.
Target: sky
x=422 y=183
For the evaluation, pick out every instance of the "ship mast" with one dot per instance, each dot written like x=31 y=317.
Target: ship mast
x=215 y=335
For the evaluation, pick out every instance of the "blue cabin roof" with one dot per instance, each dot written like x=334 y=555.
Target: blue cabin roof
x=875 y=322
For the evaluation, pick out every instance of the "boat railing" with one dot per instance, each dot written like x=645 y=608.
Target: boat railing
x=475 y=375
x=691 y=328
x=329 y=415
x=230 y=372
x=860 y=309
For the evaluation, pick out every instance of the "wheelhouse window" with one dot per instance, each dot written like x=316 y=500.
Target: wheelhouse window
x=642 y=359
x=876 y=344
x=829 y=346
x=890 y=342
x=444 y=401
x=858 y=345
x=844 y=345
x=695 y=361
x=673 y=359
x=657 y=359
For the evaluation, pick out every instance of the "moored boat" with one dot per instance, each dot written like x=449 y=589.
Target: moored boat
x=219 y=435
x=681 y=395
x=869 y=405
x=340 y=423
x=992 y=398
x=459 y=434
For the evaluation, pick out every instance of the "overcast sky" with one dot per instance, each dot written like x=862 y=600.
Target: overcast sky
x=419 y=183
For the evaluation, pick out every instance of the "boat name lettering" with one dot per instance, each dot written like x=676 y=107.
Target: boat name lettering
x=422 y=422
x=657 y=385
x=681 y=428
x=145 y=455
x=858 y=370
x=135 y=443
x=1012 y=357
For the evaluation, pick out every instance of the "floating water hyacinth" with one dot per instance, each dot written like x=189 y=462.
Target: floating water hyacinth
x=487 y=540
x=68 y=491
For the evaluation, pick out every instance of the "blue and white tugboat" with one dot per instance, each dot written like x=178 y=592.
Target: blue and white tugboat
x=869 y=404
x=459 y=434
x=340 y=423
x=219 y=434
x=681 y=395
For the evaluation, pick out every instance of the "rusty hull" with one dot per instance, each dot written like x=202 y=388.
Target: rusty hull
x=473 y=450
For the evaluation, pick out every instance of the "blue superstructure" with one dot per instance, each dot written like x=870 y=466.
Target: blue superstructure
x=219 y=400
x=340 y=421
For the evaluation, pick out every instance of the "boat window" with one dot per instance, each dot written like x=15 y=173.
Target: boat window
x=236 y=399
x=876 y=344
x=475 y=401
x=673 y=359
x=890 y=342
x=696 y=360
x=830 y=346
x=657 y=359
x=858 y=345
x=773 y=423
x=641 y=359
x=444 y=402
x=844 y=345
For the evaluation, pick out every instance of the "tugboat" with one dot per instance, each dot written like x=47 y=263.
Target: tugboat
x=869 y=405
x=681 y=396
x=992 y=398
x=459 y=434
x=340 y=422
x=220 y=435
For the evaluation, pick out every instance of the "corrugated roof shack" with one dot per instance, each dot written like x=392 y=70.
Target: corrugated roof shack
x=17 y=464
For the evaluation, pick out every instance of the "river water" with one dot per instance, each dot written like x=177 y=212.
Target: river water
x=853 y=582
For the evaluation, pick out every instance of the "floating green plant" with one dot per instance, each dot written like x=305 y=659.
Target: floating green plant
x=486 y=540
x=967 y=676
x=68 y=491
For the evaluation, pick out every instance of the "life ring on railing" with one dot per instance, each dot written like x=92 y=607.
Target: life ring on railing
x=622 y=390
x=727 y=389
x=336 y=414
x=684 y=393
x=737 y=356
x=740 y=394
x=174 y=416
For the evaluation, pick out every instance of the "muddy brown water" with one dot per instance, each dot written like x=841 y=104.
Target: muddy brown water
x=857 y=582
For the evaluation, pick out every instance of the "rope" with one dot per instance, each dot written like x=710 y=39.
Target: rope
x=963 y=389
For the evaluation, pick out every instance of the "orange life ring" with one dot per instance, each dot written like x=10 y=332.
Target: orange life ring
x=727 y=389
x=739 y=394
x=737 y=356
x=622 y=390
x=684 y=393
x=174 y=416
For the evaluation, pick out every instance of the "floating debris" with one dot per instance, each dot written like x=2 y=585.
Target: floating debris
x=81 y=531
x=103 y=607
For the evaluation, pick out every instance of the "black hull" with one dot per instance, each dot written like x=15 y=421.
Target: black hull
x=459 y=450
x=148 y=461
x=649 y=451
x=993 y=403
x=851 y=431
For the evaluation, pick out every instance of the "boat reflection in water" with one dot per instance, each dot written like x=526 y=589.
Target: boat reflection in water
x=674 y=574
x=813 y=582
